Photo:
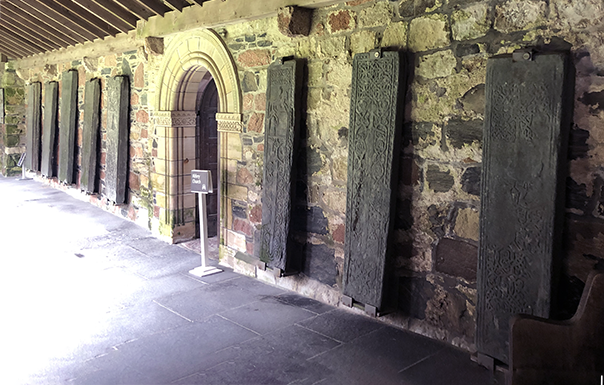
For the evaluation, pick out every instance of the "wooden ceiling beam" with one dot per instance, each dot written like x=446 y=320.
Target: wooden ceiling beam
x=200 y=2
x=157 y=6
x=105 y=15
x=43 y=18
x=89 y=17
x=118 y=11
x=136 y=8
x=21 y=50
x=25 y=19
x=74 y=21
x=26 y=44
x=13 y=54
x=18 y=28
x=178 y=4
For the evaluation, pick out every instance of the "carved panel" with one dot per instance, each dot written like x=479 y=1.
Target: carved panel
x=175 y=118
x=280 y=137
x=526 y=124
x=34 y=129
x=375 y=124
x=116 y=175
x=90 y=132
x=229 y=122
x=67 y=125
x=49 y=132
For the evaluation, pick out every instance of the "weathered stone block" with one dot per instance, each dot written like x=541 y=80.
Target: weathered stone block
x=342 y=20
x=33 y=116
x=456 y=258
x=254 y=58
x=320 y=263
x=362 y=41
x=49 y=132
x=374 y=135
x=395 y=35
x=471 y=22
x=437 y=65
x=116 y=178
x=90 y=133
x=294 y=21
x=528 y=109
x=460 y=133
x=281 y=141
x=439 y=181
x=67 y=126
x=517 y=15
x=428 y=32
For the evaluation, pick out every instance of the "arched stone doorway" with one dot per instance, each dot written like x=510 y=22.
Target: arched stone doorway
x=192 y=62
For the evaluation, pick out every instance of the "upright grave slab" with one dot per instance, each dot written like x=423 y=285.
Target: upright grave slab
x=92 y=104
x=280 y=141
x=67 y=125
x=376 y=113
x=116 y=174
x=34 y=129
x=49 y=132
x=528 y=109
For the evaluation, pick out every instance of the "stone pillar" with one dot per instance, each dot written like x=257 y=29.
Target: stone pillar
x=67 y=126
x=230 y=127
x=34 y=129
x=49 y=132
x=90 y=132
x=171 y=176
x=118 y=159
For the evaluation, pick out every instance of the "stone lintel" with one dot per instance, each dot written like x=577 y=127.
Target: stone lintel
x=229 y=122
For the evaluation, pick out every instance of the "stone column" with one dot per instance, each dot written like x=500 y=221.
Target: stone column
x=171 y=175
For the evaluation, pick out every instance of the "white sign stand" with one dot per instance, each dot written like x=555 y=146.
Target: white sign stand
x=201 y=183
x=20 y=164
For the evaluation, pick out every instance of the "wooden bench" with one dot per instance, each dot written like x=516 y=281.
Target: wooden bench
x=567 y=352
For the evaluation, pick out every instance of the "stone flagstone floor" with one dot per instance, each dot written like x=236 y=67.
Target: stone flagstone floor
x=89 y=298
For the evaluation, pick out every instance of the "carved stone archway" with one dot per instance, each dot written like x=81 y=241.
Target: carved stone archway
x=187 y=60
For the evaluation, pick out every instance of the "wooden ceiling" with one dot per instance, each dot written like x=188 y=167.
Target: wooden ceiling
x=29 y=27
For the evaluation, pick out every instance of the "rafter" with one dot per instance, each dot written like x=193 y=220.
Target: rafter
x=87 y=16
x=105 y=15
x=16 y=27
x=137 y=8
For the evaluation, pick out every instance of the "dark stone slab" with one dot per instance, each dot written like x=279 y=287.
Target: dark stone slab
x=414 y=295
x=374 y=136
x=116 y=175
x=67 y=125
x=528 y=109
x=49 y=132
x=90 y=140
x=280 y=142
x=34 y=129
x=456 y=258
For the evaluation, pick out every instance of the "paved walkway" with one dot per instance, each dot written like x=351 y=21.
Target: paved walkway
x=89 y=298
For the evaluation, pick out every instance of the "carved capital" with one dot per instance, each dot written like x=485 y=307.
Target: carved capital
x=175 y=118
x=228 y=122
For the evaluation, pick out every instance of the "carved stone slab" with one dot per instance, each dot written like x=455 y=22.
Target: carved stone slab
x=375 y=125
x=34 y=129
x=90 y=133
x=116 y=174
x=526 y=123
x=67 y=125
x=49 y=132
x=280 y=137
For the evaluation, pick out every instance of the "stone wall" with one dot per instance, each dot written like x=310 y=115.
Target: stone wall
x=13 y=131
x=447 y=44
x=140 y=199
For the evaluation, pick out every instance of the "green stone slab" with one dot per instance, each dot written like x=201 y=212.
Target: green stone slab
x=34 y=126
x=90 y=133
x=527 y=120
x=280 y=140
x=67 y=126
x=376 y=113
x=116 y=173
x=49 y=132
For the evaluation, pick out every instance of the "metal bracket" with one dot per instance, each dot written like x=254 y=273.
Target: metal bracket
x=486 y=361
x=523 y=55
x=347 y=301
x=375 y=54
x=371 y=310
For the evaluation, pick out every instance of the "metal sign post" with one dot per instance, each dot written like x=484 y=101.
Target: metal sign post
x=201 y=183
x=21 y=164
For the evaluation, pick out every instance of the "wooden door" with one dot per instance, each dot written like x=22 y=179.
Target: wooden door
x=207 y=149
